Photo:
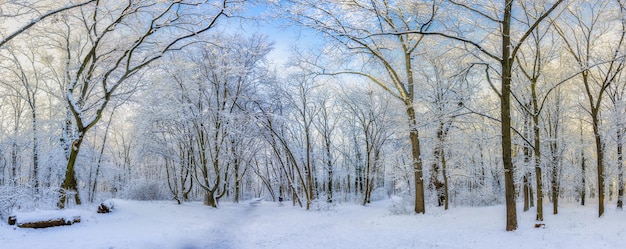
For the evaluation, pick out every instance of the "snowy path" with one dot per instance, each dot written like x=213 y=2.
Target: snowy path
x=139 y=225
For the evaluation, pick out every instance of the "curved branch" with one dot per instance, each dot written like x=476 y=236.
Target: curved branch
x=40 y=18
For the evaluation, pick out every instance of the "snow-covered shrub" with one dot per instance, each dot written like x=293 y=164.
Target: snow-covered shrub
x=26 y=199
x=8 y=200
x=379 y=194
x=321 y=203
x=144 y=190
x=402 y=204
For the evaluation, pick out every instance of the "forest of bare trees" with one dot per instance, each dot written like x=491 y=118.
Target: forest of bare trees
x=442 y=103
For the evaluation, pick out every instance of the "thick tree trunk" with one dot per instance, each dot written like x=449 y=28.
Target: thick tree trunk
x=209 y=199
x=417 y=162
x=439 y=159
x=70 y=183
x=505 y=113
x=555 y=190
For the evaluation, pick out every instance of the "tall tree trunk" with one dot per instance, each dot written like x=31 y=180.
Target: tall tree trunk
x=14 y=162
x=505 y=113
x=417 y=162
x=35 y=153
x=444 y=172
x=526 y=182
x=537 y=150
x=526 y=193
x=620 y=170
x=555 y=177
x=583 y=188
x=309 y=170
x=538 y=173
x=600 y=160
x=439 y=158
x=329 y=165
x=368 y=173
x=237 y=188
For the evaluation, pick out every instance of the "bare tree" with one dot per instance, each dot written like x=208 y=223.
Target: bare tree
x=326 y=126
x=500 y=22
x=586 y=50
x=388 y=59
x=100 y=68
x=15 y=10
x=26 y=80
x=370 y=113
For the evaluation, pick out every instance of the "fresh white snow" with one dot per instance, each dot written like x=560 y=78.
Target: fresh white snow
x=163 y=224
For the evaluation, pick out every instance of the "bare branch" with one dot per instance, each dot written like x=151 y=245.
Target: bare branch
x=40 y=18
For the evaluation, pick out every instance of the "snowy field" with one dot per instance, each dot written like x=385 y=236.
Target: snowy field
x=136 y=224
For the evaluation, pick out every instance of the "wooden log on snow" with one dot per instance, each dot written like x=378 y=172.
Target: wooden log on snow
x=12 y=220
x=49 y=223
x=105 y=207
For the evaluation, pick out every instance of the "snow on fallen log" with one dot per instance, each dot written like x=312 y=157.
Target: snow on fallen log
x=44 y=219
x=12 y=220
x=106 y=207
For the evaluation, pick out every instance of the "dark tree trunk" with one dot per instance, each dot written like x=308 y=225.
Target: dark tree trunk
x=417 y=162
x=209 y=199
x=620 y=170
x=505 y=113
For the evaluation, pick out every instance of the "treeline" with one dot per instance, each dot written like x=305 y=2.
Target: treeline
x=395 y=98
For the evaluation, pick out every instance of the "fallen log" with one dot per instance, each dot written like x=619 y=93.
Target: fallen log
x=49 y=223
x=12 y=220
x=105 y=207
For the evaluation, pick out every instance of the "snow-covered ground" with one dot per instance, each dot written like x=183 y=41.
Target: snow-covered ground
x=135 y=224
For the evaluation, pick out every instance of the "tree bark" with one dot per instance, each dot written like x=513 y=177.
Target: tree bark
x=537 y=163
x=209 y=198
x=555 y=176
x=505 y=113
x=620 y=170
x=417 y=162
x=70 y=183
x=444 y=172
x=600 y=161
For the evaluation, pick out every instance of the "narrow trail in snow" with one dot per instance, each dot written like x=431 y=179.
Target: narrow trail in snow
x=227 y=233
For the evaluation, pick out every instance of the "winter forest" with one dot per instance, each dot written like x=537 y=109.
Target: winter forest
x=435 y=104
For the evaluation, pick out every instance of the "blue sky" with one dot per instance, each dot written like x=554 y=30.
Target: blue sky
x=283 y=34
